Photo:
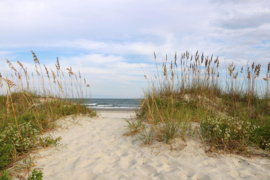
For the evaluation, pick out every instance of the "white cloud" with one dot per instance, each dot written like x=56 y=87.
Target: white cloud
x=245 y=21
x=110 y=41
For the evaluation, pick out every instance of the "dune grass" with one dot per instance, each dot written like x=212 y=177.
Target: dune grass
x=230 y=104
x=30 y=104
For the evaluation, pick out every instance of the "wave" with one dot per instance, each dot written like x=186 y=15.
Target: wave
x=91 y=104
x=105 y=105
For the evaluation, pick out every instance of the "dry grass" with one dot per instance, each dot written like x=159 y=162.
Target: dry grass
x=194 y=88
x=31 y=102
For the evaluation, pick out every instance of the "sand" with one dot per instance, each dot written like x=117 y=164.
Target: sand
x=95 y=148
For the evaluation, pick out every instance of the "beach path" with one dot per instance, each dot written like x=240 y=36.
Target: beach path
x=95 y=148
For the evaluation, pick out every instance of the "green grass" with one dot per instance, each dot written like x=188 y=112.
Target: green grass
x=5 y=176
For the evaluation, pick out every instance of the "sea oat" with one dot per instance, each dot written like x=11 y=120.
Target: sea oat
x=10 y=83
x=258 y=70
x=54 y=77
x=248 y=75
x=60 y=87
x=202 y=58
x=57 y=64
x=20 y=64
x=37 y=72
x=165 y=71
x=35 y=57
x=47 y=72
x=11 y=66
x=70 y=71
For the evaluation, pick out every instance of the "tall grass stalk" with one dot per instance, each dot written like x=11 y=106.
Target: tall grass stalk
x=36 y=105
x=194 y=88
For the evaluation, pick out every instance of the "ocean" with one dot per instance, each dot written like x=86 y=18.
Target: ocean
x=106 y=103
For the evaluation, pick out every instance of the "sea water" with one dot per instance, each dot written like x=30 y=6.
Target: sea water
x=104 y=103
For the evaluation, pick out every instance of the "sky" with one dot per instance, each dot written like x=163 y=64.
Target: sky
x=111 y=42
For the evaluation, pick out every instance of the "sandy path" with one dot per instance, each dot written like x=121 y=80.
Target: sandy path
x=98 y=150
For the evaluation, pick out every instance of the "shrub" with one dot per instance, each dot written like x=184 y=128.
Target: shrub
x=36 y=175
x=227 y=133
x=261 y=136
x=23 y=140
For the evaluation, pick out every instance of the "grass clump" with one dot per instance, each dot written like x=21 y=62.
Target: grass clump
x=5 y=176
x=48 y=141
x=6 y=154
x=163 y=118
x=134 y=127
x=32 y=102
x=230 y=104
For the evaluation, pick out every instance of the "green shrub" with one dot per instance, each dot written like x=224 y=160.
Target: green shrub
x=227 y=133
x=261 y=136
x=12 y=136
x=36 y=175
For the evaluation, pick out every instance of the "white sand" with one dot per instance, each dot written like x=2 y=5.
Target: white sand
x=97 y=149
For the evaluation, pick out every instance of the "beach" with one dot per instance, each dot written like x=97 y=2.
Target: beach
x=96 y=148
x=135 y=90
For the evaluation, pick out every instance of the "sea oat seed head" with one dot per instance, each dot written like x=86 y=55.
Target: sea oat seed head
x=35 y=57
x=10 y=83
x=202 y=58
x=248 y=75
x=54 y=77
x=187 y=54
x=11 y=66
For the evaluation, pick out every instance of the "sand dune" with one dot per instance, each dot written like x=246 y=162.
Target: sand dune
x=97 y=149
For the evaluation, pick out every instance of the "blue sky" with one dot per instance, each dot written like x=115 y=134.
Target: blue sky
x=112 y=42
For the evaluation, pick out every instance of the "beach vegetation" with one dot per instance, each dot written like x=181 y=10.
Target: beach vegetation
x=134 y=127
x=230 y=104
x=36 y=175
x=31 y=102
x=5 y=176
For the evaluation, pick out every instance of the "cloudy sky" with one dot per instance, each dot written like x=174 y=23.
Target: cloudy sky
x=112 y=41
